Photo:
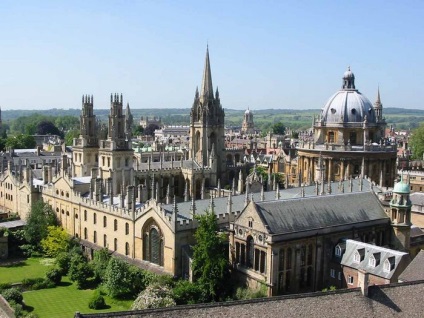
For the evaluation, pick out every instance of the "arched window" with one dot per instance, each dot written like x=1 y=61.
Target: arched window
x=115 y=244
x=104 y=221
x=115 y=225
x=127 y=228
x=127 y=248
x=95 y=237
x=85 y=215
x=153 y=245
x=104 y=240
x=94 y=218
x=250 y=252
x=85 y=233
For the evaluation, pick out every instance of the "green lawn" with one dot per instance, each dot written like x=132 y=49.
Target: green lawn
x=65 y=300
x=29 y=268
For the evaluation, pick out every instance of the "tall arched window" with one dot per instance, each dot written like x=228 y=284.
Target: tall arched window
x=95 y=237
x=153 y=244
x=127 y=229
x=127 y=249
x=115 y=225
x=104 y=221
x=85 y=233
x=250 y=252
x=115 y=244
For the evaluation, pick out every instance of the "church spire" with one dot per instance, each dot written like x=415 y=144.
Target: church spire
x=378 y=106
x=207 y=88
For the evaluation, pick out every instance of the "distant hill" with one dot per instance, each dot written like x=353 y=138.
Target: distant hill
x=401 y=118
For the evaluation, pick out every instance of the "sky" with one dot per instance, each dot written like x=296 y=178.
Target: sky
x=264 y=54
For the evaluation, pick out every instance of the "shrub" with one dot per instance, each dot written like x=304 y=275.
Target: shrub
x=62 y=261
x=37 y=283
x=154 y=296
x=97 y=301
x=13 y=295
x=4 y=286
x=79 y=270
x=186 y=292
x=54 y=275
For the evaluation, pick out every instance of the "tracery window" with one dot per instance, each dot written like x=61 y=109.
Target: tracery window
x=153 y=245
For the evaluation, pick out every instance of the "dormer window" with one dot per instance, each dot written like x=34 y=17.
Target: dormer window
x=374 y=260
x=359 y=255
x=389 y=264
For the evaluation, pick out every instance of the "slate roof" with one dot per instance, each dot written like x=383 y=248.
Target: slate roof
x=396 y=300
x=238 y=201
x=295 y=215
x=381 y=254
x=415 y=270
x=417 y=198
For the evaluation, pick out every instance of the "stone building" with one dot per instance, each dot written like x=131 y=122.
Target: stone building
x=248 y=126
x=348 y=141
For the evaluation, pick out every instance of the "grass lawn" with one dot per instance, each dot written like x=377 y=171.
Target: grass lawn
x=66 y=299
x=27 y=268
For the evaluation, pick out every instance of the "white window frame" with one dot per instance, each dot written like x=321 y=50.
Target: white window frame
x=350 y=280
x=338 y=251
x=387 y=266
x=332 y=273
x=357 y=257
x=372 y=261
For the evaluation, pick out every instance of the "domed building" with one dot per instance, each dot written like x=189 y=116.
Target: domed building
x=348 y=141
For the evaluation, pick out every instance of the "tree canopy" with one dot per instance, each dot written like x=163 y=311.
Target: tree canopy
x=56 y=241
x=278 y=128
x=39 y=219
x=20 y=141
x=46 y=127
x=417 y=142
x=150 y=129
x=210 y=257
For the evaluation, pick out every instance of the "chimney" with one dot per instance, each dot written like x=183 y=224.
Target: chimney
x=363 y=281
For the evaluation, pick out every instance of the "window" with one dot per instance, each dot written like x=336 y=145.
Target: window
x=85 y=215
x=356 y=257
x=250 y=223
x=127 y=249
x=332 y=273
x=115 y=225
x=104 y=240
x=389 y=264
x=250 y=252
x=127 y=228
x=350 y=280
x=95 y=237
x=94 y=218
x=331 y=137
x=115 y=244
x=338 y=251
x=104 y=221
x=372 y=261
x=85 y=233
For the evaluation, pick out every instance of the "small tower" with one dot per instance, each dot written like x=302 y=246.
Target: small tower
x=400 y=215
x=85 y=147
x=378 y=107
x=248 y=127
x=348 y=79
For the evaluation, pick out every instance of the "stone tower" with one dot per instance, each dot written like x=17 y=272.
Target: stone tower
x=85 y=147
x=116 y=153
x=400 y=216
x=207 y=125
x=248 y=127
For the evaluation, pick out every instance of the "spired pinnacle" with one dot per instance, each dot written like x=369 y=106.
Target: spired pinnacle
x=207 y=88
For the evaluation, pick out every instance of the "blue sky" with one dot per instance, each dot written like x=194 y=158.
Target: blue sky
x=264 y=54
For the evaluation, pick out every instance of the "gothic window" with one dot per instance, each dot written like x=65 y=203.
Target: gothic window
x=127 y=228
x=289 y=258
x=95 y=237
x=281 y=260
x=352 y=138
x=338 y=251
x=85 y=215
x=85 y=233
x=127 y=249
x=153 y=245
x=115 y=244
x=303 y=256
x=94 y=218
x=115 y=225
x=309 y=257
x=104 y=221
x=250 y=252
x=104 y=240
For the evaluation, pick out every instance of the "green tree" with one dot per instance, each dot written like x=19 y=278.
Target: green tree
x=100 y=262
x=117 y=278
x=278 y=128
x=39 y=218
x=70 y=135
x=210 y=257
x=20 y=141
x=417 y=142
x=79 y=270
x=57 y=241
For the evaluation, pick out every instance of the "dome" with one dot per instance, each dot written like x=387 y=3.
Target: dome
x=401 y=187
x=348 y=105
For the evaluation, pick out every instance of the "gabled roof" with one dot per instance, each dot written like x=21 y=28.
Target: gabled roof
x=309 y=213
x=379 y=254
x=415 y=270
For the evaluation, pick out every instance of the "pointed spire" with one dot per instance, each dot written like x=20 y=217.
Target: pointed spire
x=211 y=204
x=207 y=88
x=277 y=192
x=217 y=93
x=229 y=203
